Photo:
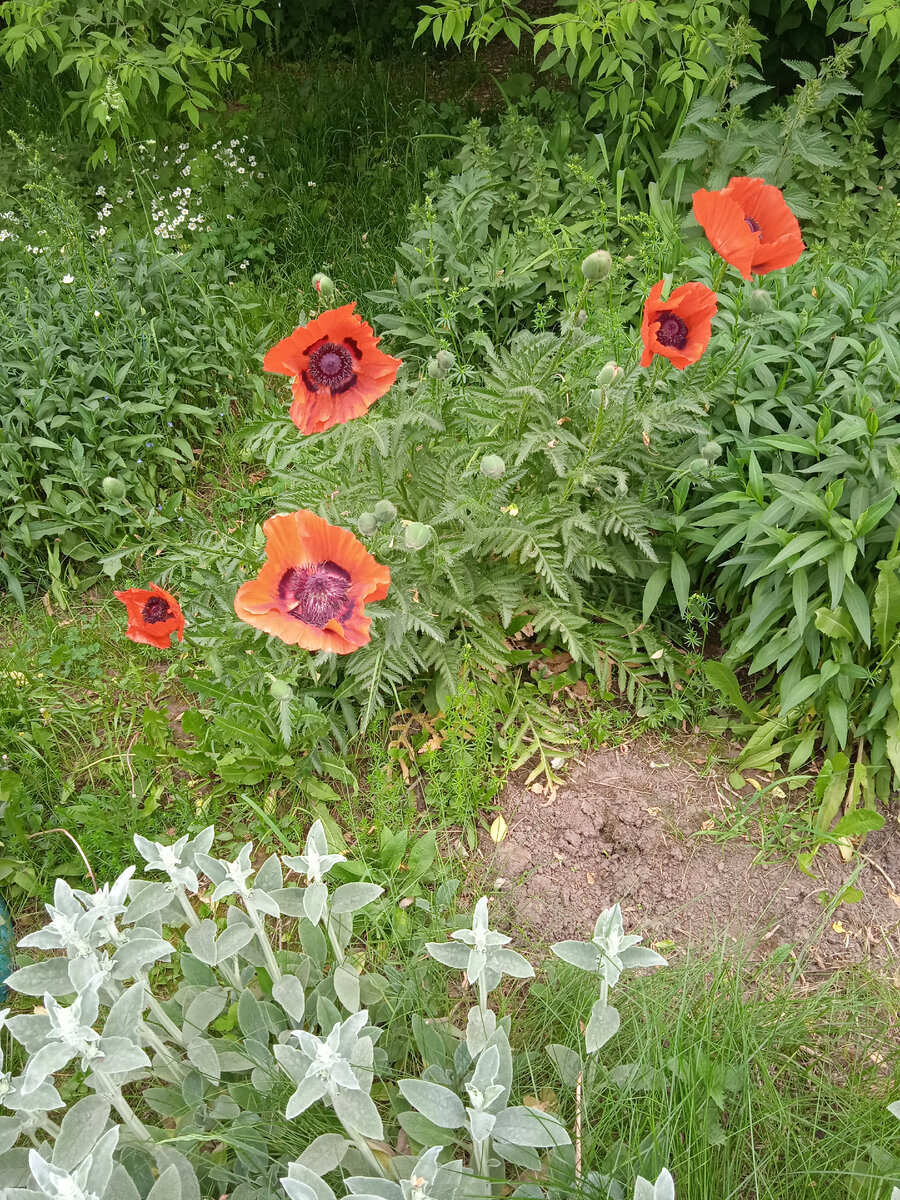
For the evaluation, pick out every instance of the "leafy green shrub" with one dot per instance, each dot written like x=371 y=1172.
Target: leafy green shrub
x=265 y=1039
x=118 y=359
x=791 y=517
x=124 y=59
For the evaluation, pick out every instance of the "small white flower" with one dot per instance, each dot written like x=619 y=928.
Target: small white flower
x=68 y=278
x=96 y=312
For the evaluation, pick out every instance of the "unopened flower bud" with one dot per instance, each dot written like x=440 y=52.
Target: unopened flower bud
x=760 y=301
x=580 y=318
x=279 y=690
x=445 y=359
x=493 y=466
x=608 y=374
x=385 y=512
x=367 y=523
x=597 y=265
x=323 y=285
x=417 y=535
x=435 y=370
x=711 y=451
x=697 y=465
x=113 y=488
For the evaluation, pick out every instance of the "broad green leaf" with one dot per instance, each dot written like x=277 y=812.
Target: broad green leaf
x=886 y=609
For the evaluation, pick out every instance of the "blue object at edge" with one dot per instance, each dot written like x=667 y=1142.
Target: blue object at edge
x=7 y=941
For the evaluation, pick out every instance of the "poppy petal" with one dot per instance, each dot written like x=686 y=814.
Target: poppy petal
x=729 y=234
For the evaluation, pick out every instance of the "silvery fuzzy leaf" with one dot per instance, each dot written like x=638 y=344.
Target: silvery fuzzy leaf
x=223 y=1108
x=437 y=1104
x=325 y=1153
x=124 y=1018
x=448 y=953
x=140 y=950
x=520 y=1156
x=480 y=1026
x=231 y=1061
x=80 y=1130
x=370 y=1187
x=299 y=1173
x=109 y=899
x=167 y=1187
x=894 y=1109
x=356 y=1111
x=200 y=843
x=201 y=940
x=567 y=1062
x=119 y=1056
x=173 y=860
x=233 y=938
x=46 y=1062
x=83 y=971
x=269 y=877
x=215 y=869
x=641 y=956
x=288 y=992
x=423 y=1131
x=146 y=899
x=491 y=975
x=294 y=1062
x=11 y=1129
x=351 y=1029
x=264 y=903
x=342 y=929
x=487 y=1068
x=204 y=1008
x=121 y=1186
x=351 y=897
x=346 y=985
x=530 y=1127
x=98 y=1164
x=510 y=962
x=663 y=1189
x=579 y=954
x=203 y=1056
x=602 y=1025
x=290 y=900
x=252 y=1018
x=30 y=1029
x=528 y=1191
x=44 y=1098
x=315 y=896
x=297 y=1190
x=481 y=1123
x=308 y=1092
x=475 y=965
x=51 y=975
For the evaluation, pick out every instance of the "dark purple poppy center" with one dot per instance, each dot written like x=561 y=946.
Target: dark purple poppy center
x=156 y=609
x=754 y=228
x=672 y=331
x=330 y=365
x=316 y=594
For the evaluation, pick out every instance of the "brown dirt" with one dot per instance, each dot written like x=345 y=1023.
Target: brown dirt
x=622 y=829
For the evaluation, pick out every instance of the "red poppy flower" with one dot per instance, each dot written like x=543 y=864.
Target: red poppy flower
x=337 y=369
x=678 y=328
x=750 y=225
x=153 y=616
x=313 y=587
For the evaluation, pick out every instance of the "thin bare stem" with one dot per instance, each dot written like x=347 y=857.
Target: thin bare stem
x=65 y=833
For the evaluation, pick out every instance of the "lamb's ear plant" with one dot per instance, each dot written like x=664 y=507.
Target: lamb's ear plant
x=253 y=1029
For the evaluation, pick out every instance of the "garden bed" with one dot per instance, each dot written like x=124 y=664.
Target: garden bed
x=648 y=823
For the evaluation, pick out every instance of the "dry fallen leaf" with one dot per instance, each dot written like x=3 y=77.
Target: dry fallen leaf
x=894 y=897
x=654 y=812
x=499 y=829
x=838 y=927
x=589 y=877
x=406 y=901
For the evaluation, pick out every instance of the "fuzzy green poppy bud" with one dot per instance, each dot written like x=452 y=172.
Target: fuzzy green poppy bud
x=445 y=359
x=608 y=374
x=323 y=285
x=113 y=488
x=711 y=451
x=597 y=265
x=385 y=512
x=417 y=535
x=366 y=523
x=435 y=370
x=493 y=466
x=697 y=465
x=760 y=301
x=279 y=690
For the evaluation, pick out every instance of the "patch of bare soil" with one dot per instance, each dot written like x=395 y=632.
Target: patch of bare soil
x=622 y=829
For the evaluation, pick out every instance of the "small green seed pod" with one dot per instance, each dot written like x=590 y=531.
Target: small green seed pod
x=597 y=265
x=493 y=466
x=367 y=523
x=385 y=512
x=113 y=488
x=417 y=535
x=760 y=301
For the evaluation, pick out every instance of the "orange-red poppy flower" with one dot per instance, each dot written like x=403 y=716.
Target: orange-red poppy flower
x=153 y=616
x=337 y=370
x=314 y=585
x=678 y=328
x=750 y=225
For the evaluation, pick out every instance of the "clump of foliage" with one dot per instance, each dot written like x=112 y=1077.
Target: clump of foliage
x=124 y=61
x=264 y=1039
